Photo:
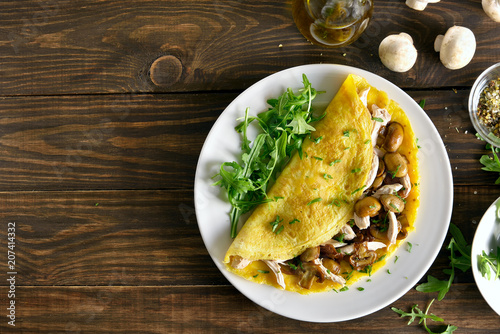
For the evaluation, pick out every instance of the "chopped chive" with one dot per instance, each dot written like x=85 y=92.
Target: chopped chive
x=318 y=158
x=279 y=230
x=394 y=207
x=254 y=276
x=396 y=258
x=361 y=289
x=315 y=201
x=410 y=245
x=263 y=271
x=346 y=133
x=355 y=191
x=327 y=176
x=294 y=221
x=381 y=258
x=345 y=288
x=388 y=271
x=317 y=140
x=377 y=119
x=335 y=162
x=347 y=148
x=356 y=170
x=368 y=141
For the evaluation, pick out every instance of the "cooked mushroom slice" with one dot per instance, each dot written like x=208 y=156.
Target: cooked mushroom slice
x=394 y=137
x=392 y=230
x=361 y=222
x=348 y=232
x=330 y=251
x=392 y=203
x=387 y=189
x=362 y=257
x=310 y=254
x=332 y=265
x=406 y=186
x=308 y=275
x=377 y=232
x=237 y=262
x=276 y=269
x=403 y=225
x=368 y=206
x=326 y=273
x=396 y=165
x=380 y=118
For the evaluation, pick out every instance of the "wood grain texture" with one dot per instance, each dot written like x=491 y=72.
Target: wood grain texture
x=152 y=141
x=220 y=310
x=79 y=47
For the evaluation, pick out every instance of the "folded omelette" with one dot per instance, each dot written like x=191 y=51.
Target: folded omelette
x=315 y=238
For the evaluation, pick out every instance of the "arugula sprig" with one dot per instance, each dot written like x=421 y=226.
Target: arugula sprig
x=460 y=257
x=417 y=313
x=490 y=163
x=284 y=127
x=489 y=263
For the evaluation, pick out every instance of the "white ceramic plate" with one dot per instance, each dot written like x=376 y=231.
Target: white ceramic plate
x=487 y=238
x=223 y=144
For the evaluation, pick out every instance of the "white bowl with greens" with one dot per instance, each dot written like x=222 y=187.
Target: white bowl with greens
x=485 y=256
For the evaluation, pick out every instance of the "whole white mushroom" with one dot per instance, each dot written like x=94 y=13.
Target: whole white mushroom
x=397 y=52
x=419 y=4
x=456 y=48
x=492 y=9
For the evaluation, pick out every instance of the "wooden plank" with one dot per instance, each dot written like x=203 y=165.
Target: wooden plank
x=142 y=237
x=153 y=141
x=218 y=310
x=109 y=46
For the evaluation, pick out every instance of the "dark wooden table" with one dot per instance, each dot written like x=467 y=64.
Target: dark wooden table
x=104 y=108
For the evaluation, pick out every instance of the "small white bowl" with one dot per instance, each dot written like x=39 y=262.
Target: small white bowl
x=490 y=73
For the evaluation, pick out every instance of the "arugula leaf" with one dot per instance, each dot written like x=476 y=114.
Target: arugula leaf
x=462 y=261
x=283 y=128
x=489 y=263
x=423 y=316
x=491 y=164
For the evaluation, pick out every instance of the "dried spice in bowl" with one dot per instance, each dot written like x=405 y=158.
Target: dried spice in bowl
x=488 y=109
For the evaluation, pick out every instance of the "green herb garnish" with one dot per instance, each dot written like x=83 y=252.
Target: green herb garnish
x=410 y=246
x=284 y=127
x=460 y=257
x=315 y=201
x=335 y=162
x=356 y=190
x=276 y=228
x=491 y=164
x=417 y=313
x=377 y=119
x=263 y=271
x=489 y=263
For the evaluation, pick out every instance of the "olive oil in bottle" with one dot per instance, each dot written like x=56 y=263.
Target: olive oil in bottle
x=332 y=23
